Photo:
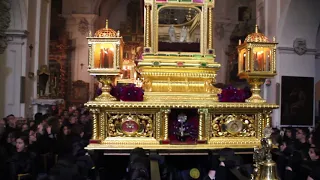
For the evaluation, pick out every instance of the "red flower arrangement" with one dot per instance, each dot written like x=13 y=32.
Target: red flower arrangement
x=127 y=92
x=232 y=94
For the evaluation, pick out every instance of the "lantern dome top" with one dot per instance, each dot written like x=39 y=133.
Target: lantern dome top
x=106 y=32
x=256 y=37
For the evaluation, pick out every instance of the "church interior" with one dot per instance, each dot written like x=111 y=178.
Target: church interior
x=159 y=89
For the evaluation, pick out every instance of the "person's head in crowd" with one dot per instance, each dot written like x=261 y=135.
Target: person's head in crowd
x=139 y=165
x=311 y=139
x=24 y=127
x=139 y=169
x=45 y=119
x=31 y=123
x=2 y=126
x=314 y=153
x=65 y=130
x=137 y=152
x=289 y=133
x=22 y=143
x=38 y=118
x=77 y=130
x=53 y=122
x=32 y=135
x=11 y=138
x=228 y=158
x=73 y=120
x=65 y=113
x=286 y=147
x=83 y=119
x=302 y=135
x=11 y=121
x=60 y=120
x=76 y=113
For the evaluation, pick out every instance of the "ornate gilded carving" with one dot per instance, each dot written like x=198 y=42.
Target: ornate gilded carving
x=122 y=125
x=102 y=125
x=181 y=104
x=5 y=6
x=202 y=118
x=83 y=26
x=95 y=114
x=300 y=46
x=166 y=123
x=233 y=125
x=267 y=118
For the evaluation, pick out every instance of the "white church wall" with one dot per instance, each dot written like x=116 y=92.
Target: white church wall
x=16 y=63
x=291 y=19
x=118 y=14
x=225 y=20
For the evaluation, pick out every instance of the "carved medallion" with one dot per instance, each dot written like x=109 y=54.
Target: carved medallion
x=231 y=125
x=300 y=46
x=83 y=26
x=122 y=125
x=234 y=126
x=129 y=127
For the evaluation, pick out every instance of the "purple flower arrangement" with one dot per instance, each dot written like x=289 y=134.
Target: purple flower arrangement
x=127 y=92
x=232 y=94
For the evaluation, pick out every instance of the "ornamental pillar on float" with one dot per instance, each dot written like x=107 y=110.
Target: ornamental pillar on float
x=256 y=62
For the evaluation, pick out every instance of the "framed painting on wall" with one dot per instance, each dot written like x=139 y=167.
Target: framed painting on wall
x=80 y=93
x=297 y=101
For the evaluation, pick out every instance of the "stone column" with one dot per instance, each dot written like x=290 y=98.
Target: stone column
x=13 y=74
x=79 y=26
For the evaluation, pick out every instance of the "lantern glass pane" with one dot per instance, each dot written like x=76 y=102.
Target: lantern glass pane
x=262 y=58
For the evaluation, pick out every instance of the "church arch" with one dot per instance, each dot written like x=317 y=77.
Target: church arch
x=299 y=19
x=18 y=15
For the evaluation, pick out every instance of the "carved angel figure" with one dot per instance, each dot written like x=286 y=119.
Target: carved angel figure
x=183 y=34
x=172 y=34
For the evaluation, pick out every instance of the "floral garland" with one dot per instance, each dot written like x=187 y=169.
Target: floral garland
x=127 y=92
x=232 y=94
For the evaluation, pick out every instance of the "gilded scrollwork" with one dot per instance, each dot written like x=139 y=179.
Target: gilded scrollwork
x=233 y=125
x=124 y=125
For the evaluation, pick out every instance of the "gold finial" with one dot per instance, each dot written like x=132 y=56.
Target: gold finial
x=239 y=41
x=118 y=33
x=274 y=39
x=90 y=33
x=107 y=24
x=256 y=29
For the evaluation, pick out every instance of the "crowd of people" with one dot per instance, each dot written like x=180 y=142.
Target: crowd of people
x=298 y=155
x=52 y=147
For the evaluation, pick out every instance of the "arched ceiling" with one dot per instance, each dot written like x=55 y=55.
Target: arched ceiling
x=107 y=5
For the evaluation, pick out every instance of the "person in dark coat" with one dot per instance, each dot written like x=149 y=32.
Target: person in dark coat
x=22 y=162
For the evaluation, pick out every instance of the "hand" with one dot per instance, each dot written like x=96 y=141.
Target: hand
x=222 y=164
x=40 y=128
x=32 y=139
x=288 y=168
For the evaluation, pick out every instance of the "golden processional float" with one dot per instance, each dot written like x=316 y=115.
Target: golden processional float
x=180 y=108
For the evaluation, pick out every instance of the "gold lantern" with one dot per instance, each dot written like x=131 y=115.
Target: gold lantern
x=256 y=62
x=105 y=58
x=128 y=73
